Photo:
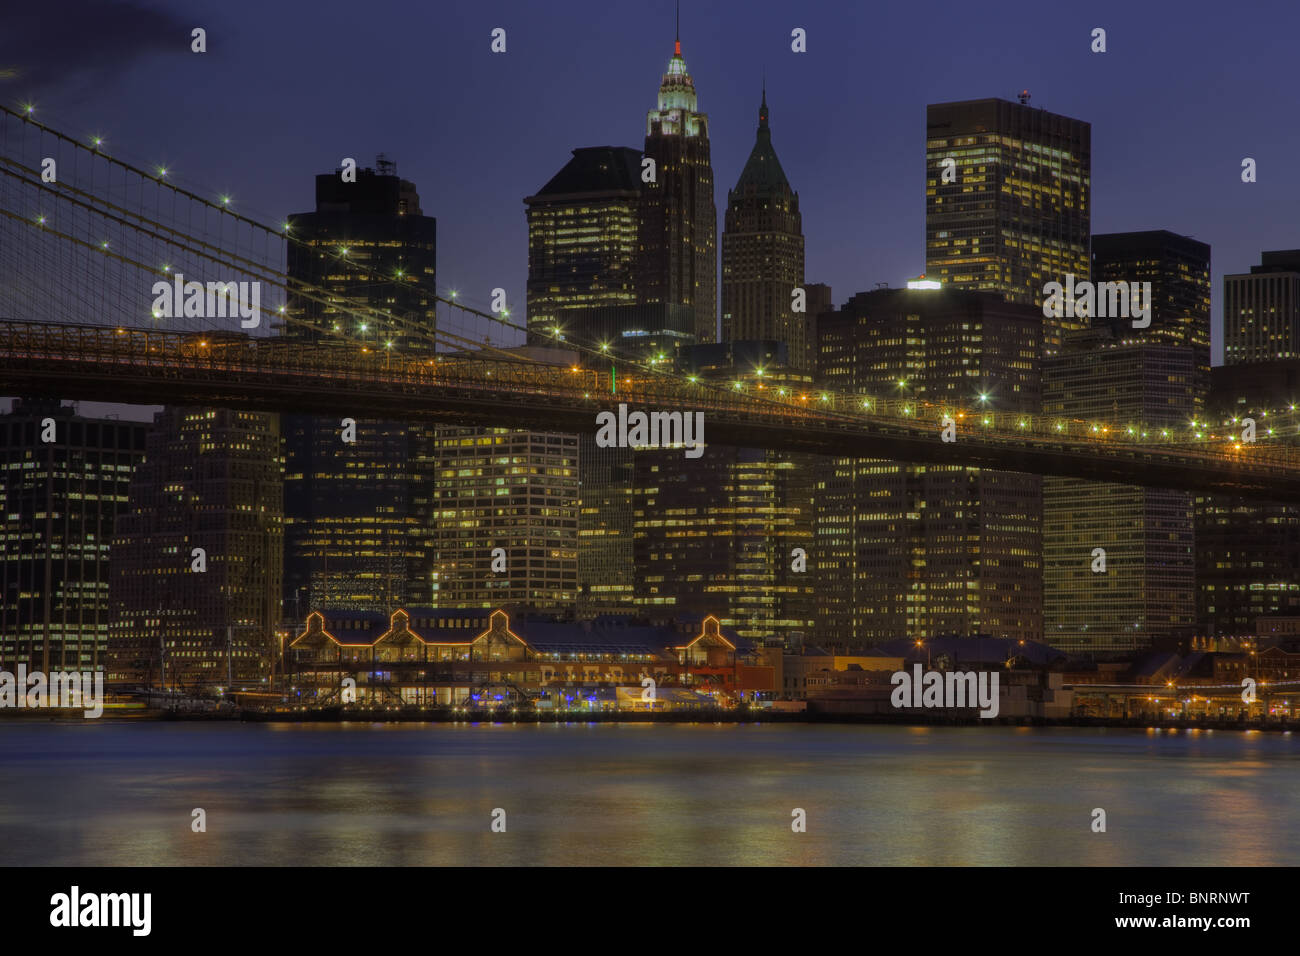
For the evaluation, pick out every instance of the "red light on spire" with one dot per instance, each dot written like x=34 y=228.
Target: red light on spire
x=677 y=48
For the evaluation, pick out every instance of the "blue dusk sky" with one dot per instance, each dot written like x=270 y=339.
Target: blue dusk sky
x=286 y=90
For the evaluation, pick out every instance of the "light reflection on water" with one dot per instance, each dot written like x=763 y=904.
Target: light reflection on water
x=104 y=793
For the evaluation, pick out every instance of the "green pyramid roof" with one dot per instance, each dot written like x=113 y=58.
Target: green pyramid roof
x=763 y=170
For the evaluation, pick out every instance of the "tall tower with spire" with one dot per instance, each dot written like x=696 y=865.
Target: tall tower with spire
x=762 y=254
x=678 y=222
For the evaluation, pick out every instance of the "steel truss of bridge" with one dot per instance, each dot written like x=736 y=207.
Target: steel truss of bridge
x=143 y=366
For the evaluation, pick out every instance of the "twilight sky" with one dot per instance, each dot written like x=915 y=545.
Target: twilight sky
x=286 y=90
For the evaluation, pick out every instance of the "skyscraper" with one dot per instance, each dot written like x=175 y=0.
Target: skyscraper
x=59 y=500
x=1178 y=268
x=1248 y=552
x=714 y=535
x=350 y=529
x=1261 y=310
x=606 y=571
x=211 y=480
x=501 y=488
x=366 y=248
x=919 y=551
x=582 y=241
x=1012 y=210
x=763 y=254
x=1144 y=589
x=677 y=230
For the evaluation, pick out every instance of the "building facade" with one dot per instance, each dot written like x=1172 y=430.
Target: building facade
x=198 y=555
x=1141 y=588
x=500 y=488
x=1247 y=552
x=763 y=254
x=1012 y=210
x=362 y=264
x=59 y=501
x=1261 y=310
x=582 y=242
x=913 y=551
x=677 y=229
x=1178 y=268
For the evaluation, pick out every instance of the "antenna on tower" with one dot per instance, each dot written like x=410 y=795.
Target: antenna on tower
x=385 y=166
x=1024 y=97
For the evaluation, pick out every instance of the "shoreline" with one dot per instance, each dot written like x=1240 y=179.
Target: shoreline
x=442 y=716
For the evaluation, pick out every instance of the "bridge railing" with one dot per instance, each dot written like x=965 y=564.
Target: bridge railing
x=237 y=355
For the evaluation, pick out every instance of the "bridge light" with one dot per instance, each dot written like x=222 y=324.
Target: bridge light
x=29 y=108
x=452 y=293
x=1022 y=424
x=225 y=200
x=388 y=344
x=364 y=326
x=988 y=421
x=604 y=347
x=343 y=250
x=285 y=227
x=1060 y=427
x=399 y=273
x=40 y=220
x=162 y=171
x=104 y=244
x=983 y=397
x=737 y=385
x=758 y=371
x=692 y=379
x=96 y=141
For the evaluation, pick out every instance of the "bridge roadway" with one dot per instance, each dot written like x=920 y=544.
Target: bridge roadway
x=140 y=366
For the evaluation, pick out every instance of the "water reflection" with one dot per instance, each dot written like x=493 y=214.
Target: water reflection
x=703 y=794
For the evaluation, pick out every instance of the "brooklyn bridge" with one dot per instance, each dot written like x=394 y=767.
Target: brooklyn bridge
x=83 y=249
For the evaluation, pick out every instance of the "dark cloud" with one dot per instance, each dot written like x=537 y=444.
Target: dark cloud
x=54 y=42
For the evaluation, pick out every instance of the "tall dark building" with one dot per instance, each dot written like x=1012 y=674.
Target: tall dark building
x=211 y=479
x=763 y=254
x=1146 y=593
x=367 y=246
x=1261 y=310
x=606 y=569
x=919 y=551
x=677 y=231
x=1178 y=268
x=501 y=488
x=1015 y=212
x=59 y=501
x=1248 y=552
x=582 y=241
x=714 y=535
x=351 y=530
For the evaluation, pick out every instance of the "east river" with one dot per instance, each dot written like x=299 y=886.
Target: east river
x=124 y=793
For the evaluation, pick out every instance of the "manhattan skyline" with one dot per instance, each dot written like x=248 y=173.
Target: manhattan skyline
x=859 y=165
